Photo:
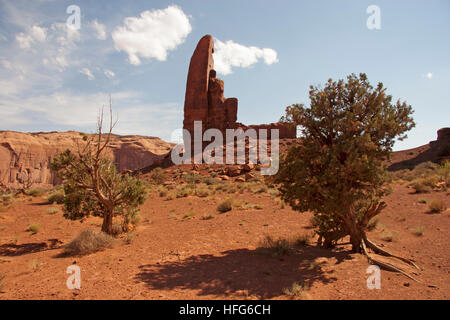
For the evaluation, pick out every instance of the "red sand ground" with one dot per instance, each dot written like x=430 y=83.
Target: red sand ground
x=176 y=258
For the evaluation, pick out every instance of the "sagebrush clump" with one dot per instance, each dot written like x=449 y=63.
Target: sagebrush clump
x=89 y=241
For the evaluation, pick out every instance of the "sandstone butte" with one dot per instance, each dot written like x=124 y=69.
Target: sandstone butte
x=23 y=153
x=205 y=99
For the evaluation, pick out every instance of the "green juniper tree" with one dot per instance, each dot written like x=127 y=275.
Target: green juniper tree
x=92 y=184
x=337 y=171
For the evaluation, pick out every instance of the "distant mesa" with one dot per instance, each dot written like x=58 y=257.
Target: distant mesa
x=437 y=151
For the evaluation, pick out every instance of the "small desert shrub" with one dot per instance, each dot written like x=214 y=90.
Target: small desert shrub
x=419 y=187
x=189 y=215
x=437 y=206
x=192 y=179
x=52 y=210
x=225 y=206
x=130 y=237
x=87 y=242
x=158 y=176
x=302 y=240
x=183 y=192
x=208 y=216
x=133 y=217
x=405 y=174
x=202 y=192
x=387 y=236
x=57 y=197
x=262 y=189
x=274 y=192
x=36 y=192
x=296 y=290
x=372 y=225
x=419 y=230
x=35 y=265
x=117 y=229
x=274 y=248
x=34 y=228
x=7 y=199
x=163 y=192
x=170 y=196
x=210 y=181
x=422 y=200
x=444 y=172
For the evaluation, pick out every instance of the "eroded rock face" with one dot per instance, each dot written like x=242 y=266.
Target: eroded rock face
x=443 y=134
x=196 y=104
x=32 y=153
x=205 y=100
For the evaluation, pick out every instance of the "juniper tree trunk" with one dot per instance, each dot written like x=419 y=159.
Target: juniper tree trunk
x=107 y=222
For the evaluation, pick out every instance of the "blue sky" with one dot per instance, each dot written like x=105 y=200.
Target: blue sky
x=267 y=52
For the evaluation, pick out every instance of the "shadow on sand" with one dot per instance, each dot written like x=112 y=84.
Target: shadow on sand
x=238 y=271
x=12 y=249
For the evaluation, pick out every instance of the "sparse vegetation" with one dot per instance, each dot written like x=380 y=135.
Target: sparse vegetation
x=52 y=210
x=208 y=216
x=87 y=242
x=34 y=228
x=418 y=231
x=437 y=206
x=420 y=187
x=225 y=206
x=302 y=240
x=297 y=290
x=36 y=192
x=56 y=197
x=158 y=176
x=130 y=237
x=189 y=215
x=36 y=265
x=274 y=247
x=387 y=236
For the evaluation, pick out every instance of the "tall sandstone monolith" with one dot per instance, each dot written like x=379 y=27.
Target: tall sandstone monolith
x=205 y=100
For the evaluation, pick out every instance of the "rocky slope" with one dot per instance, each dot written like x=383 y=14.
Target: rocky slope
x=23 y=153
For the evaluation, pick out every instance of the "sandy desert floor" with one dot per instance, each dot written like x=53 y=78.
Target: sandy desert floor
x=178 y=257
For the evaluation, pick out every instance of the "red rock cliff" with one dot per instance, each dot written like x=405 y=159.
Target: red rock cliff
x=33 y=152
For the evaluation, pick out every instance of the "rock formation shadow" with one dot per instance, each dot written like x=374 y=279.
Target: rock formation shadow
x=241 y=270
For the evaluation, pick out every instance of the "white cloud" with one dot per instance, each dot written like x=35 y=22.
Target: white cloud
x=6 y=64
x=231 y=54
x=87 y=73
x=38 y=33
x=152 y=34
x=35 y=34
x=109 y=74
x=63 y=35
x=429 y=75
x=99 y=30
